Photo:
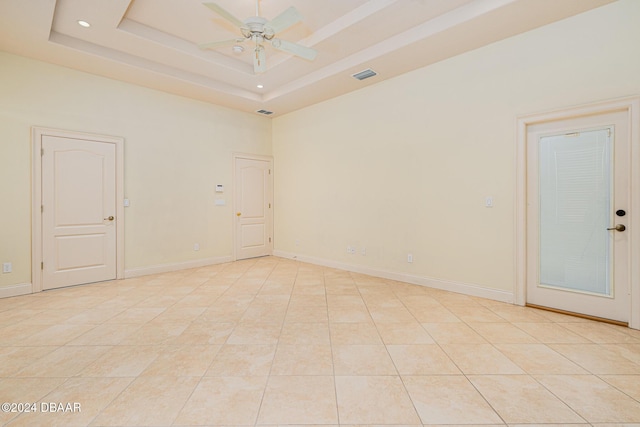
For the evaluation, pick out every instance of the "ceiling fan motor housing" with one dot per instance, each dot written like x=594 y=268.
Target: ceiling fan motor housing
x=256 y=26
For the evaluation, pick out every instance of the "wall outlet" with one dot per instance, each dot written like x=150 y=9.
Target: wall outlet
x=6 y=267
x=196 y=246
x=351 y=250
x=410 y=258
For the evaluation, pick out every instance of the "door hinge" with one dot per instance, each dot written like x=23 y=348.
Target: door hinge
x=42 y=266
x=269 y=205
x=41 y=208
x=269 y=171
x=42 y=151
x=269 y=239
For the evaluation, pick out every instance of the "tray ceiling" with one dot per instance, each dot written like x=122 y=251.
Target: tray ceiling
x=154 y=43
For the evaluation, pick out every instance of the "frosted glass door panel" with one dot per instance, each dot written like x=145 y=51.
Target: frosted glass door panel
x=575 y=179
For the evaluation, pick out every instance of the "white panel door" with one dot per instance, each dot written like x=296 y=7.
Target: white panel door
x=78 y=211
x=253 y=195
x=578 y=216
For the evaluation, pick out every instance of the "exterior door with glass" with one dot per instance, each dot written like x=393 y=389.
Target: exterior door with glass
x=578 y=216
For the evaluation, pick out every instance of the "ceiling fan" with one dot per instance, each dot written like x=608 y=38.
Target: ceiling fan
x=259 y=30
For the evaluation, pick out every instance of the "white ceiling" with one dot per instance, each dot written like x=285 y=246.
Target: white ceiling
x=153 y=43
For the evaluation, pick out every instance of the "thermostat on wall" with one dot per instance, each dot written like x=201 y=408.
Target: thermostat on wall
x=219 y=188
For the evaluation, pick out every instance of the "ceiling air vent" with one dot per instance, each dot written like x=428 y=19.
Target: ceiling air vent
x=365 y=74
x=265 y=112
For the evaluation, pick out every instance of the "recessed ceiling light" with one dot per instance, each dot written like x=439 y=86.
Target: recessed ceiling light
x=84 y=24
x=260 y=86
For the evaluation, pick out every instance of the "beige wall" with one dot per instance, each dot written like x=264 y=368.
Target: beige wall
x=176 y=150
x=400 y=167
x=404 y=166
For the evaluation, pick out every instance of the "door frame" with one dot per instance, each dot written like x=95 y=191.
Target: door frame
x=269 y=159
x=630 y=106
x=37 y=133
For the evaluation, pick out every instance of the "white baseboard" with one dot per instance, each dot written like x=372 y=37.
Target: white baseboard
x=167 y=268
x=16 y=290
x=446 y=285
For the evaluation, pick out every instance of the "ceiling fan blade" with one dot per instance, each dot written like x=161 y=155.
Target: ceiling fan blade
x=222 y=43
x=285 y=20
x=295 y=49
x=222 y=12
x=259 y=60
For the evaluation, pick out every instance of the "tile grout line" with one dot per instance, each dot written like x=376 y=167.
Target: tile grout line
x=525 y=374
x=333 y=365
x=275 y=352
x=178 y=412
x=462 y=373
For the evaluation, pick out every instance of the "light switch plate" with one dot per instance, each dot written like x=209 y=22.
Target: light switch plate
x=488 y=201
x=6 y=267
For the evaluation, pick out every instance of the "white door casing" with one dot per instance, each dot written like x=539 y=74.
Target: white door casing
x=584 y=117
x=77 y=220
x=253 y=206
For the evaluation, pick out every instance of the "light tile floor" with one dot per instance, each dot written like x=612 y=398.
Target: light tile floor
x=273 y=342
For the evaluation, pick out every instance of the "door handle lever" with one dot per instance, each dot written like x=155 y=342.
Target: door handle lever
x=618 y=227
x=111 y=218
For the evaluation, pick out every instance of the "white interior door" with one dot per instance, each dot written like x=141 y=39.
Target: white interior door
x=253 y=199
x=578 y=202
x=78 y=211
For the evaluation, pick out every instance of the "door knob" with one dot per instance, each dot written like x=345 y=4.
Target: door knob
x=238 y=214
x=618 y=227
x=111 y=218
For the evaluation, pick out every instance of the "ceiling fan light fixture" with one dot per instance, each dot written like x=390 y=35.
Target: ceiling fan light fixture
x=237 y=49
x=268 y=34
x=259 y=30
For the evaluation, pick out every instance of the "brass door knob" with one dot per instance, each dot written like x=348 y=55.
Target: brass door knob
x=618 y=227
x=111 y=218
x=238 y=214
